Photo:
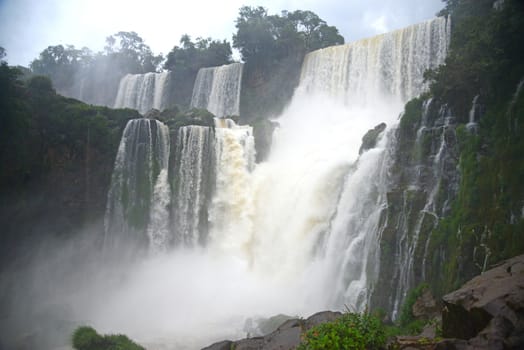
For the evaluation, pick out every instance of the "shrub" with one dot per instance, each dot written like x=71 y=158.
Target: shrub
x=86 y=338
x=406 y=314
x=351 y=331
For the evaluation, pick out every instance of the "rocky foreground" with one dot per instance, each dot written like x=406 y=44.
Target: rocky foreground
x=486 y=313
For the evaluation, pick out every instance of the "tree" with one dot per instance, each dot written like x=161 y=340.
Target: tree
x=254 y=37
x=131 y=51
x=485 y=50
x=191 y=56
x=59 y=63
x=265 y=39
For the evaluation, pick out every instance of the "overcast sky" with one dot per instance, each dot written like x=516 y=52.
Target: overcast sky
x=29 y=26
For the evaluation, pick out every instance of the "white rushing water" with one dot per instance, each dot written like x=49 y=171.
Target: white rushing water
x=143 y=91
x=217 y=89
x=194 y=172
x=296 y=234
x=139 y=193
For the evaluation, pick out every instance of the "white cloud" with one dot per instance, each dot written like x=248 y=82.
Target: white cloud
x=378 y=24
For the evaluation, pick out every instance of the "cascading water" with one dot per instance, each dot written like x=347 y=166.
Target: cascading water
x=231 y=211
x=139 y=193
x=387 y=66
x=217 y=89
x=194 y=175
x=143 y=91
x=422 y=202
x=300 y=232
x=372 y=78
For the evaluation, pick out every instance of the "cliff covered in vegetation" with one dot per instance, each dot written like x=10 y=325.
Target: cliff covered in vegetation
x=456 y=202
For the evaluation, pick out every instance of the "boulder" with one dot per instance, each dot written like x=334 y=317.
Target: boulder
x=285 y=337
x=411 y=343
x=321 y=317
x=425 y=306
x=488 y=311
x=255 y=343
x=221 y=345
x=370 y=139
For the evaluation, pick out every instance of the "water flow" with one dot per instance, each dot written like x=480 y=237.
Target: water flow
x=194 y=175
x=143 y=91
x=231 y=212
x=217 y=89
x=423 y=201
x=386 y=66
x=376 y=75
x=300 y=232
x=139 y=193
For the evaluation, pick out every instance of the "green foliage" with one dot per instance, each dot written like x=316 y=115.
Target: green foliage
x=132 y=51
x=264 y=39
x=195 y=116
x=185 y=61
x=406 y=314
x=86 y=338
x=191 y=56
x=486 y=55
x=125 y=52
x=59 y=63
x=410 y=119
x=40 y=126
x=351 y=331
x=486 y=224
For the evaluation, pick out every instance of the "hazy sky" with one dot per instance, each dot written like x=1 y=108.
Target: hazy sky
x=29 y=26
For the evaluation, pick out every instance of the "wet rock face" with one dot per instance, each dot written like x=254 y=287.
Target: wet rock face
x=222 y=345
x=370 y=139
x=425 y=306
x=488 y=311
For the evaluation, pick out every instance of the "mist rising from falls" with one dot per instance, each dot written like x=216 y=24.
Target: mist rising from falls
x=217 y=89
x=143 y=91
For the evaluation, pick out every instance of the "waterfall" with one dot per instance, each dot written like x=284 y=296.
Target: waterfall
x=139 y=193
x=217 y=89
x=143 y=91
x=422 y=201
x=194 y=175
x=370 y=79
x=300 y=232
x=388 y=66
x=232 y=207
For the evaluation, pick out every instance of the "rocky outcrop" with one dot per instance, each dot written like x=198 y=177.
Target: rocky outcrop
x=425 y=306
x=370 y=139
x=285 y=337
x=488 y=311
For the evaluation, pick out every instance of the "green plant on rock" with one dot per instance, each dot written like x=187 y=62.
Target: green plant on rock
x=86 y=338
x=406 y=314
x=351 y=331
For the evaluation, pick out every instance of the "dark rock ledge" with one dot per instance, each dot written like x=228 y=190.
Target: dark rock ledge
x=485 y=313
x=285 y=337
